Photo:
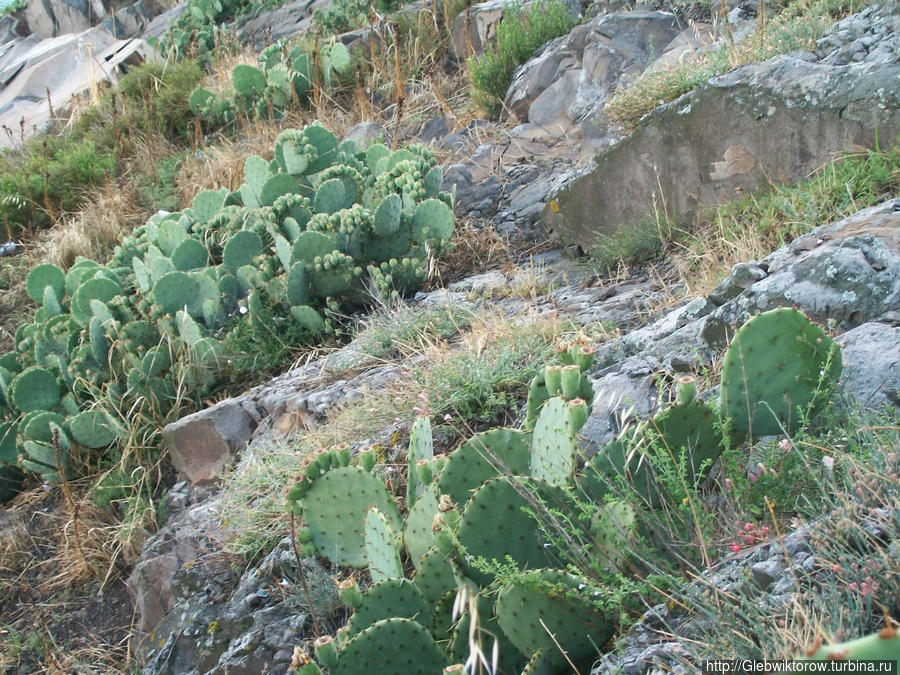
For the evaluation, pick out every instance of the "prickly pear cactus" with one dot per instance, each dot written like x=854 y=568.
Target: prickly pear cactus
x=382 y=548
x=883 y=645
x=335 y=510
x=542 y=609
x=484 y=456
x=391 y=647
x=779 y=370
x=390 y=598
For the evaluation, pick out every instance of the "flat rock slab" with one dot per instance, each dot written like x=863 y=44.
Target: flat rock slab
x=780 y=120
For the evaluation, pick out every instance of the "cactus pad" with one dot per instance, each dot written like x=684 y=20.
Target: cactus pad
x=484 y=456
x=497 y=522
x=418 y=536
x=93 y=429
x=434 y=577
x=190 y=254
x=542 y=609
x=335 y=511
x=432 y=220
x=240 y=249
x=174 y=291
x=553 y=455
x=34 y=389
x=391 y=647
x=382 y=548
x=42 y=276
x=779 y=370
x=396 y=597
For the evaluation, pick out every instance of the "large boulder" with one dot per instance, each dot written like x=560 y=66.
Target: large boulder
x=50 y=18
x=772 y=121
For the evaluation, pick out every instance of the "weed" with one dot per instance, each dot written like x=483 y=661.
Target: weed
x=519 y=34
x=797 y=26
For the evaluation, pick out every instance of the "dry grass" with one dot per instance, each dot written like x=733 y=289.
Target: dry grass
x=798 y=26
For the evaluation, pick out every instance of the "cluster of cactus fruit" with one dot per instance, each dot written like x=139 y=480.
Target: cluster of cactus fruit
x=284 y=79
x=489 y=500
x=196 y=32
x=308 y=234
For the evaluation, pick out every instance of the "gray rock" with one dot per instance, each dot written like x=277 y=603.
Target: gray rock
x=364 y=134
x=202 y=445
x=871 y=357
x=784 y=117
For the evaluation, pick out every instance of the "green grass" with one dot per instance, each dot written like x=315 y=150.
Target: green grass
x=519 y=34
x=797 y=26
x=49 y=175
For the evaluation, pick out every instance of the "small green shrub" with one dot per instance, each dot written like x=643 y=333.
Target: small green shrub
x=518 y=36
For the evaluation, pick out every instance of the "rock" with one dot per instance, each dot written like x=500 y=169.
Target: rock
x=283 y=21
x=364 y=134
x=202 y=445
x=871 y=356
x=483 y=20
x=591 y=61
x=57 y=17
x=479 y=199
x=781 y=118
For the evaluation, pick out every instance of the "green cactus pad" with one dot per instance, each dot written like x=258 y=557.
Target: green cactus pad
x=156 y=361
x=171 y=233
x=36 y=425
x=256 y=172
x=482 y=457
x=779 y=370
x=382 y=249
x=298 y=284
x=42 y=276
x=882 y=646
x=692 y=428
x=432 y=221
x=331 y=197
x=542 y=609
x=496 y=522
x=418 y=535
x=553 y=455
x=434 y=576
x=421 y=446
x=432 y=181
x=93 y=429
x=335 y=510
x=325 y=144
x=387 y=215
x=78 y=272
x=395 y=597
x=34 y=389
x=612 y=526
x=382 y=548
x=248 y=81
x=486 y=633
x=311 y=244
x=277 y=186
x=391 y=647
x=9 y=451
x=622 y=459
x=309 y=318
x=240 y=249
x=97 y=288
x=190 y=254
x=199 y=99
x=174 y=291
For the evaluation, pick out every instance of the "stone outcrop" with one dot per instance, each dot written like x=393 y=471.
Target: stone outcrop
x=777 y=120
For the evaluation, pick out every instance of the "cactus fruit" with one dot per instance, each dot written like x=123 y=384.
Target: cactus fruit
x=779 y=370
x=388 y=598
x=542 y=609
x=335 y=511
x=391 y=647
x=382 y=548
